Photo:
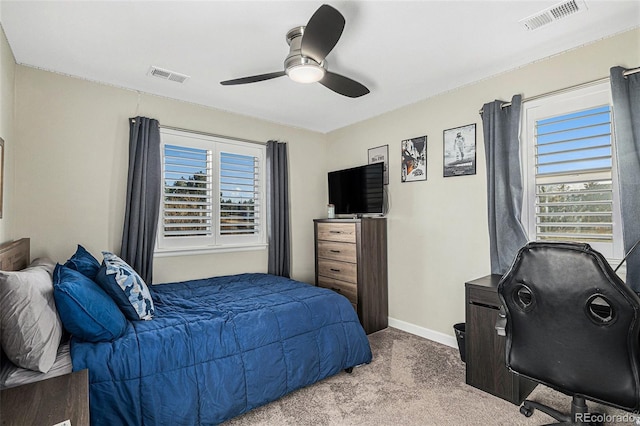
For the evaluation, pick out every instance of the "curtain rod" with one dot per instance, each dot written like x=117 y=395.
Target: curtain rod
x=180 y=129
x=566 y=89
x=212 y=134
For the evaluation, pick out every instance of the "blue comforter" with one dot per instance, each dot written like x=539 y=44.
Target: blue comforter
x=219 y=347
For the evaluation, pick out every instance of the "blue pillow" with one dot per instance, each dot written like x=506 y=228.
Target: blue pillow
x=125 y=287
x=83 y=262
x=85 y=310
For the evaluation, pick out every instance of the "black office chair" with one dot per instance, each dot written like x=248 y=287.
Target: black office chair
x=572 y=324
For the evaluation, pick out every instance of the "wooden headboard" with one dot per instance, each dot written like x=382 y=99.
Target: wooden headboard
x=15 y=255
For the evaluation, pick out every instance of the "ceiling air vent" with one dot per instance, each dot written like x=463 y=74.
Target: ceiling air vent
x=553 y=13
x=167 y=75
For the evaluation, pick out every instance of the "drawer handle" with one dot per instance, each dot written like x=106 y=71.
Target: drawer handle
x=334 y=270
x=337 y=290
x=335 y=232
x=483 y=305
x=334 y=251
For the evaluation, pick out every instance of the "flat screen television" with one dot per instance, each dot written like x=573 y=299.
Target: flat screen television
x=358 y=190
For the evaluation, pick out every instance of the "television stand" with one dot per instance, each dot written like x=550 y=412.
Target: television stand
x=357 y=216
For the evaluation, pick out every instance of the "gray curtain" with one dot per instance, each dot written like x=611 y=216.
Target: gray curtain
x=504 y=182
x=625 y=92
x=143 y=196
x=278 y=209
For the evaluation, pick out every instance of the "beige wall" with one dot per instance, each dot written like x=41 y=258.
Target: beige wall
x=7 y=96
x=71 y=170
x=71 y=159
x=438 y=236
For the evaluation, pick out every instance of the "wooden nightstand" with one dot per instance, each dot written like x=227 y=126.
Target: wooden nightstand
x=48 y=402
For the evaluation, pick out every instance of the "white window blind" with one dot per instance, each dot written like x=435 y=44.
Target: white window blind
x=574 y=199
x=571 y=189
x=213 y=191
x=188 y=208
x=239 y=191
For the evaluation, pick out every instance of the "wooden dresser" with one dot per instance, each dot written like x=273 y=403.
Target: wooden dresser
x=351 y=259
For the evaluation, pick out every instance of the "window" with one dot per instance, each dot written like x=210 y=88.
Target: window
x=569 y=166
x=212 y=196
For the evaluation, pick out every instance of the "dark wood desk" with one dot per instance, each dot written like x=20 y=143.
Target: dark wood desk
x=48 y=402
x=485 y=350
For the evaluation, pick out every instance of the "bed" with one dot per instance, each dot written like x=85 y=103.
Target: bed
x=217 y=348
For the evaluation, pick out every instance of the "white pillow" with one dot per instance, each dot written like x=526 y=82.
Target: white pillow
x=30 y=329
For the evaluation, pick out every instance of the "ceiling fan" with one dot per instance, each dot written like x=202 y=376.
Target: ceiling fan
x=308 y=48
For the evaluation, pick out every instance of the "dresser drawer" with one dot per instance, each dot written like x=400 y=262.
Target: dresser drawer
x=343 y=252
x=342 y=271
x=487 y=297
x=343 y=232
x=348 y=290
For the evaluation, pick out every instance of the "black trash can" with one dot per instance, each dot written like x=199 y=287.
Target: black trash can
x=459 y=330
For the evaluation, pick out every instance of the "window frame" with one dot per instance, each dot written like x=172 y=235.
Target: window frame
x=562 y=103
x=173 y=246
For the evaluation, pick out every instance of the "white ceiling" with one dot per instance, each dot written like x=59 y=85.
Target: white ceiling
x=403 y=51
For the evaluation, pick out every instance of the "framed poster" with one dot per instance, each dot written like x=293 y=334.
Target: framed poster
x=380 y=154
x=460 y=151
x=414 y=159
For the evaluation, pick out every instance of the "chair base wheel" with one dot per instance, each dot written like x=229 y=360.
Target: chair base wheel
x=527 y=412
x=348 y=370
x=579 y=412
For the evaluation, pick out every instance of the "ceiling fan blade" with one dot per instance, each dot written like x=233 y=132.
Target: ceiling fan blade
x=253 y=78
x=343 y=85
x=322 y=33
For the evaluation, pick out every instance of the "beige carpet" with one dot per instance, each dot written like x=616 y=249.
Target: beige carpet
x=411 y=381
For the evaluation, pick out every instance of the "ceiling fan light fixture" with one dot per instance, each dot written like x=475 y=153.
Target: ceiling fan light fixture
x=306 y=73
x=308 y=49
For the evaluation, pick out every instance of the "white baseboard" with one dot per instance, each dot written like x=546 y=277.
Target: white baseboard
x=436 y=336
